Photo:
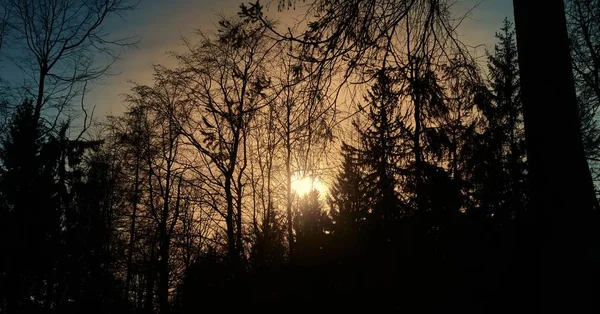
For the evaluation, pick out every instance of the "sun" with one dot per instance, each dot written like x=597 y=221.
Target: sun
x=302 y=185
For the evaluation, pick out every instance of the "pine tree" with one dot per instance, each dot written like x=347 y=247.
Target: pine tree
x=55 y=206
x=502 y=170
x=379 y=153
x=312 y=224
x=31 y=213
x=348 y=198
x=91 y=224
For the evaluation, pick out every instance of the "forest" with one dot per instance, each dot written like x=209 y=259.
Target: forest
x=363 y=160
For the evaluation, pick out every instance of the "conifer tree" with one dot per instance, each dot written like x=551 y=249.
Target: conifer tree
x=312 y=224
x=348 y=197
x=30 y=212
x=379 y=151
x=502 y=162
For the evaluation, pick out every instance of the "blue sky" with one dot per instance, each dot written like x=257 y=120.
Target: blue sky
x=161 y=23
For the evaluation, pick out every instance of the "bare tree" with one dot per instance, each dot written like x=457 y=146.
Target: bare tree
x=302 y=126
x=264 y=173
x=5 y=12
x=165 y=172
x=226 y=84
x=58 y=45
x=124 y=136
x=583 y=25
x=348 y=41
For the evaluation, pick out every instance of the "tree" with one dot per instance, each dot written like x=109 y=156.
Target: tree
x=268 y=247
x=126 y=141
x=28 y=168
x=303 y=130
x=4 y=14
x=226 y=83
x=349 y=198
x=165 y=171
x=60 y=255
x=59 y=42
x=583 y=26
x=349 y=38
x=501 y=170
x=562 y=192
x=92 y=237
x=311 y=224
x=132 y=137
x=380 y=152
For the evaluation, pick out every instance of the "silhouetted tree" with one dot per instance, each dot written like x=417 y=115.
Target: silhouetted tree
x=379 y=153
x=303 y=130
x=501 y=158
x=225 y=77
x=6 y=10
x=165 y=177
x=583 y=26
x=126 y=139
x=349 y=199
x=92 y=237
x=262 y=170
x=268 y=248
x=31 y=213
x=311 y=226
x=185 y=203
x=60 y=258
x=59 y=43
x=562 y=192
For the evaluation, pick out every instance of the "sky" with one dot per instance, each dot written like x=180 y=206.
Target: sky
x=161 y=23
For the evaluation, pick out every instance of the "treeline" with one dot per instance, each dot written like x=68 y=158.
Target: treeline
x=186 y=203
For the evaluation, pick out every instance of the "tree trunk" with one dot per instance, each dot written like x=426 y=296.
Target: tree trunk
x=231 y=249
x=240 y=191
x=558 y=242
x=288 y=174
x=149 y=295
x=163 y=280
x=417 y=148
x=39 y=102
x=132 y=226
x=164 y=241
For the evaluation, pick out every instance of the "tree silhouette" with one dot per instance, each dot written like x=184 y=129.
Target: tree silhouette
x=59 y=259
x=28 y=168
x=380 y=152
x=584 y=30
x=225 y=77
x=91 y=236
x=449 y=186
x=349 y=199
x=501 y=165
x=60 y=41
x=562 y=192
x=311 y=225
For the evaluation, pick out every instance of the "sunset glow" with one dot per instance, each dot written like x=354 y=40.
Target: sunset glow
x=302 y=185
x=370 y=156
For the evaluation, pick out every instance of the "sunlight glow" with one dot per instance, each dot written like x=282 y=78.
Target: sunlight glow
x=304 y=184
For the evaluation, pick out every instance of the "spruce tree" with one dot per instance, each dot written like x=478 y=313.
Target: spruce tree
x=348 y=197
x=502 y=171
x=379 y=152
x=31 y=213
x=312 y=224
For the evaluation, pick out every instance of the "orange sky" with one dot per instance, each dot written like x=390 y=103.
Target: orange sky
x=159 y=23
